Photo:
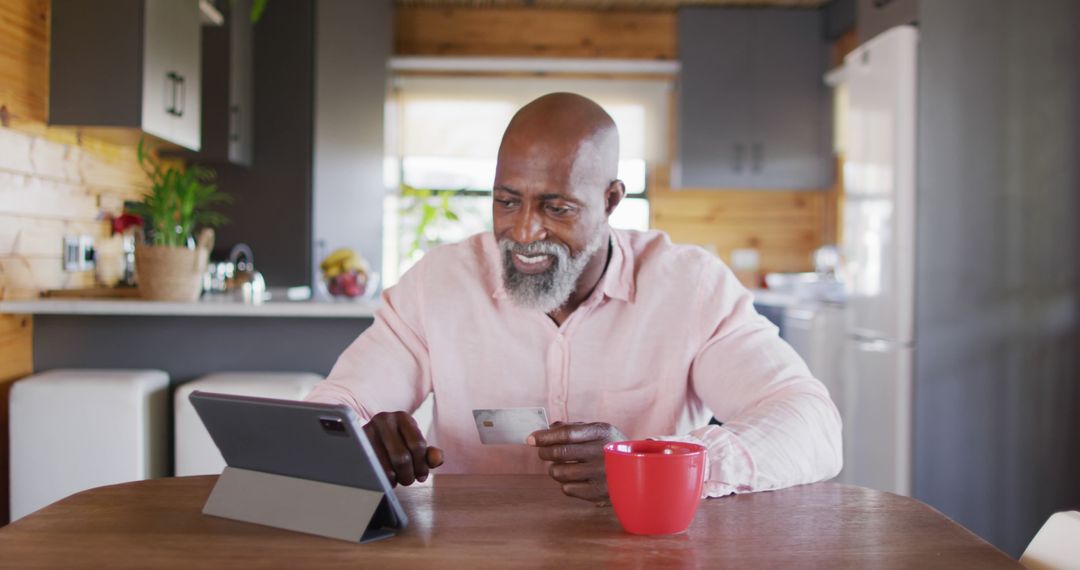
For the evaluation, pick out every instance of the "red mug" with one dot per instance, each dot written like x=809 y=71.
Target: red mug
x=655 y=486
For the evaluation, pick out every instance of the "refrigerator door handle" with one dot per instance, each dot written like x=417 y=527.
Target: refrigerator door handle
x=874 y=345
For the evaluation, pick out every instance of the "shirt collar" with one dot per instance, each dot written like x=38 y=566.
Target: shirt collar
x=618 y=279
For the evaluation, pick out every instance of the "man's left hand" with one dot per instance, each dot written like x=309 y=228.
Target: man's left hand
x=577 y=454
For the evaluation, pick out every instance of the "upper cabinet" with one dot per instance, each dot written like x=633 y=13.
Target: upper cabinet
x=753 y=111
x=228 y=87
x=127 y=64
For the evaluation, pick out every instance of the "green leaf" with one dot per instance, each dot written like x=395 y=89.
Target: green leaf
x=428 y=216
x=257 y=9
x=179 y=200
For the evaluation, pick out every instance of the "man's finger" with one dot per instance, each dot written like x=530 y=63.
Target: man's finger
x=400 y=458
x=572 y=452
x=588 y=490
x=575 y=472
x=569 y=433
x=415 y=443
x=434 y=457
x=371 y=431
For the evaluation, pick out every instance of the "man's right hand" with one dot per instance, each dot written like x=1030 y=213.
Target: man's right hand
x=402 y=449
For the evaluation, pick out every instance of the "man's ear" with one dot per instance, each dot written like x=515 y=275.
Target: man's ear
x=613 y=195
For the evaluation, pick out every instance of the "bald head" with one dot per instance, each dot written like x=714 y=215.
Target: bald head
x=568 y=136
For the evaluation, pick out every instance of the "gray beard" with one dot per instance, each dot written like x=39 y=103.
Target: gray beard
x=551 y=289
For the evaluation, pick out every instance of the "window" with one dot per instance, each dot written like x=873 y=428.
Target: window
x=444 y=135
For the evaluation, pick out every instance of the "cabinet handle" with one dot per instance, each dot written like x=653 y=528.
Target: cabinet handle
x=234 y=123
x=740 y=150
x=175 y=83
x=170 y=93
x=757 y=151
x=183 y=95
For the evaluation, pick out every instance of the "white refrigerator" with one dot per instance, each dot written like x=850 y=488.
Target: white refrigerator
x=878 y=245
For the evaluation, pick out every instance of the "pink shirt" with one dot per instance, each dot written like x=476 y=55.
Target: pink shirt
x=668 y=339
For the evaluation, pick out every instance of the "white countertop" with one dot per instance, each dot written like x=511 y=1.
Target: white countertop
x=773 y=298
x=206 y=307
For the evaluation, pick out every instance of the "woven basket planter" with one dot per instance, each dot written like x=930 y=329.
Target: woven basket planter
x=172 y=273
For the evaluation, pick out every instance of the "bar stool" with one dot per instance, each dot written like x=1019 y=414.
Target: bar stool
x=1056 y=545
x=196 y=453
x=75 y=429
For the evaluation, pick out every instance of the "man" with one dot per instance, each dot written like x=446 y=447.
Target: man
x=618 y=334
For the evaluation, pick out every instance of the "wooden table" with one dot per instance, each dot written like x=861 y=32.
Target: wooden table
x=468 y=521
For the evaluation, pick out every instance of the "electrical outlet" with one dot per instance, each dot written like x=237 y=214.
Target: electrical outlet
x=78 y=253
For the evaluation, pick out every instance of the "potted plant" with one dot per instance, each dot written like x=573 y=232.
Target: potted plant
x=169 y=261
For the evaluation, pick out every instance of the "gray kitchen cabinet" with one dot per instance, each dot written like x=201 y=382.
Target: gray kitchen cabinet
x=241 y=124
x=228 y=116
x=715 y=124
x=120 y=65
x=752 y=106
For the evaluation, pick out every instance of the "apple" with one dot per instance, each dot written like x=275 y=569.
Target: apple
x=347 y=278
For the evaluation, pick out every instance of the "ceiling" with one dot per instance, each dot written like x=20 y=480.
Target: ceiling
x=605 y=4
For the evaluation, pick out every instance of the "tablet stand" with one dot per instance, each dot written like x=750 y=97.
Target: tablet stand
x=314 y=507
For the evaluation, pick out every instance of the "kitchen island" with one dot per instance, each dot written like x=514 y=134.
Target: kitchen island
x=188 y=340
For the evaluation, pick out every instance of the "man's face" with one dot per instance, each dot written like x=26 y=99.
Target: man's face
x=549 y=216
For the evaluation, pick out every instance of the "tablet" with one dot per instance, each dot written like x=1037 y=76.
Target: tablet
x=300 y=440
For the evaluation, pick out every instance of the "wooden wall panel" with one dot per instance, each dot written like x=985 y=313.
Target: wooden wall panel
x=524 y=32
x=24 y=54
x=843 y=45
x=16 y=361
x=610 y=4
x=784 y=226
x=53 y=181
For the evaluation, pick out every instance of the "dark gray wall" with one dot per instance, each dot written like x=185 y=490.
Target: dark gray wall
x=839 y=18
x=189 y=347
x=353 y=45
x=997 y=387
x=272 y=208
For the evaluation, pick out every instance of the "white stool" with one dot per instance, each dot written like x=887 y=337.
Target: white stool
x=196 y=453
x=1056 y=545
x=73 y=430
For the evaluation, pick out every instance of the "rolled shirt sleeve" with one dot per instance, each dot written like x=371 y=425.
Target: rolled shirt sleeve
x=780 y=427
x=388 y=367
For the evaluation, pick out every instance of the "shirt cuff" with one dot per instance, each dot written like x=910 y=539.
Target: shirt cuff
x=729 y=468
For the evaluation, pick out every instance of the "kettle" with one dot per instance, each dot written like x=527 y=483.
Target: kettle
x=245 y=283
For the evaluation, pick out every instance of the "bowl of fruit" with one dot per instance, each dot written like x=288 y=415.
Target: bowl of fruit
x=347 y=276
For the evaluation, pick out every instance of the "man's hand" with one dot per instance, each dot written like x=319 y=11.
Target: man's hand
x=402 y=449
x=577 y=454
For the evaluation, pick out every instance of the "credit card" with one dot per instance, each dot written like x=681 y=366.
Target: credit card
x=509 y=425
